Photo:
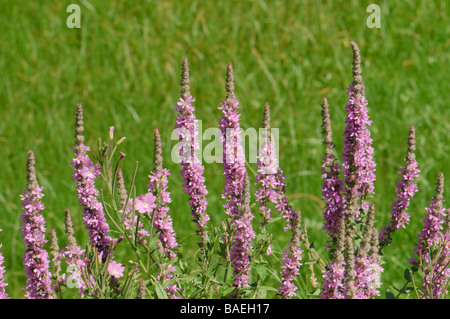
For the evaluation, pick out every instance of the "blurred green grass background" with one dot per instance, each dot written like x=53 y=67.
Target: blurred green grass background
x=123 y=65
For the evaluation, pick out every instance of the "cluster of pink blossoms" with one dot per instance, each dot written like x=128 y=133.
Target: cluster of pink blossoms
x=235 y=176
x=267 y=168
x=191 y=167
x=84 y=174
x=405 y=190
x=290 y=269
x=433 y=249
x=162 y=221
x=358 y=164
x=36 y=260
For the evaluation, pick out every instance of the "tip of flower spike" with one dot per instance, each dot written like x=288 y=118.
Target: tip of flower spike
x=157 y=150
x=185 y=89
x=411 y=140
x=440 y=186
x=229 y=85
x=79 y=125
x=358 y=85
x=326 y=122
x=31 y=170
x=266 y=116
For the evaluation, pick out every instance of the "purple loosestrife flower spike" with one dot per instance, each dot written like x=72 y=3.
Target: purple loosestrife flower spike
x=282 y=203
x=36 y=259
x=358 y=164
x=162 y=222
x=333 y=286
x=191 y=167
x=233 y=161
x=242 y=237
x=84 y=174
x=267 y=167
x=332 y=186
x=406 y=189
x=291 y=260
x=430 y=238
x=3 y=284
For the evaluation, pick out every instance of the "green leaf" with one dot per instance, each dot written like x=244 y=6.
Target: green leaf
x=315 y=293
x=261 y=270
x=389 y=295
x=160 y=292
x=407 y=274
x=227 y=291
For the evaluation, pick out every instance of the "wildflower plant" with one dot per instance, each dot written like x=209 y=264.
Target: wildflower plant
x=134 y=251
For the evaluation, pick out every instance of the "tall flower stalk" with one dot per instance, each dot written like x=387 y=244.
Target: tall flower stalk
x=191 y=167
x=405 y=190
x=267 y=168
x=432 y=250
x=162 y=222
x=358 y=164
x=291 y=260
x=233 y=160
x=332 y=186
x=36 y=260
x=84 y=174
x=243 y=234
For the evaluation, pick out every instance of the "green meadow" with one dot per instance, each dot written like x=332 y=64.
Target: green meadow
x=123 y=65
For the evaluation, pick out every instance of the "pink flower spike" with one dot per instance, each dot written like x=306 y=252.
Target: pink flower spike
x=116 y=269
x=145 y=203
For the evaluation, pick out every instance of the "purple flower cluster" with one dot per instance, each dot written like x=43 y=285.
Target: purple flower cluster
x=282 y=203
x=237 y=185
x=290 y=269
x=358 y=165
x=267 y=168
x=406 y=189
x=84 y=174
x=292 y=259
x=352 y=272
x=243 y=234
x=233 y=160
x=433 y=239
x=3 y=284
x=36 y=259
x=192 y=168
x=332 y=186
x=333 y=286
x=157 y=185
x=367 y=272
